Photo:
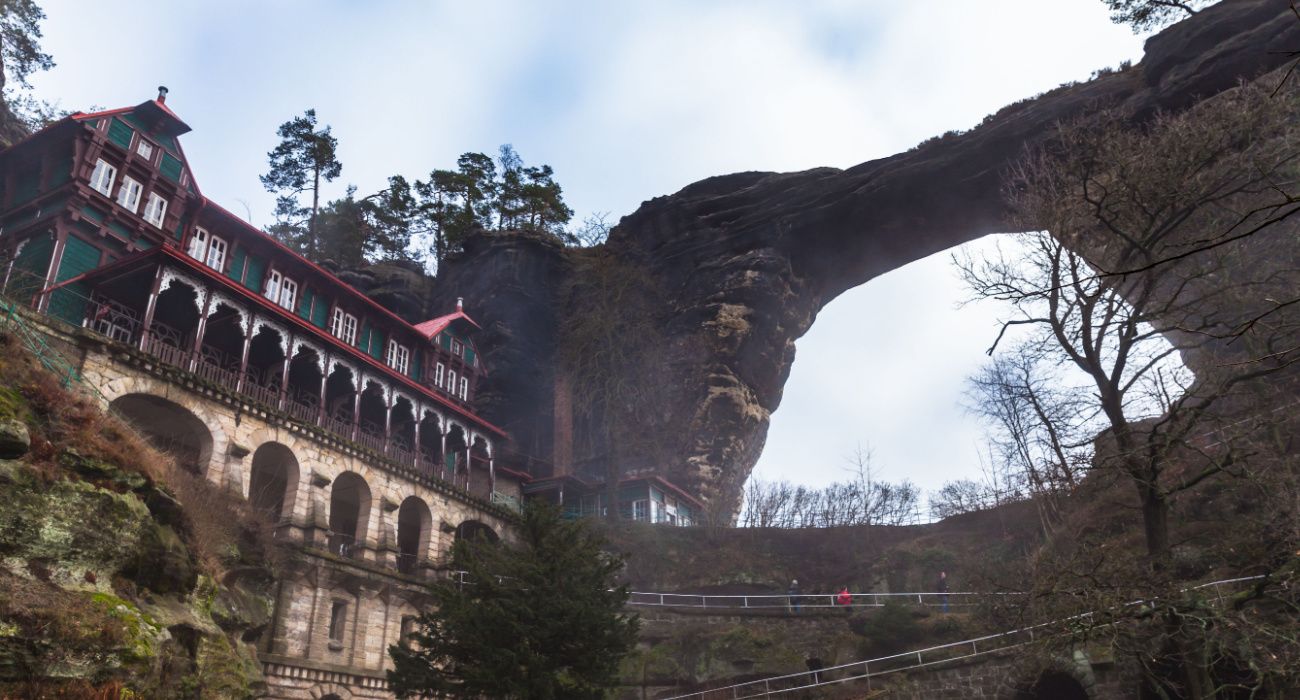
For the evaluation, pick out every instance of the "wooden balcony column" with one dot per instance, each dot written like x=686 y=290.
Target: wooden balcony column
x=324 y=379
x=200 y=332
x=284 y=373
x=390 y=399
x=150 y=307
x=243 y=357
x=492 y=471
x=360 y=386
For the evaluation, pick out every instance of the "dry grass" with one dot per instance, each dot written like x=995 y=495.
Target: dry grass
x=217 y=524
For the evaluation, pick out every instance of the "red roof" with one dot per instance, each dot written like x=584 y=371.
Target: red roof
x=434 y=326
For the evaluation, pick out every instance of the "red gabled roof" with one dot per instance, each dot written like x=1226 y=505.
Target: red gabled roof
x=434 y=326
x=177 y=129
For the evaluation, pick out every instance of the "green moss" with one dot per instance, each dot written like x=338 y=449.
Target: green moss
x=14 y=405
x=224 y=671
x=143 y=633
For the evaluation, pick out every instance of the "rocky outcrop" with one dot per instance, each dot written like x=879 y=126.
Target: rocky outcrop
x=742 y=263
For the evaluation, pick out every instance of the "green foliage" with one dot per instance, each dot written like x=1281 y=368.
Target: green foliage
x=1144 y=15
x=20 y=56
x=541 y=618
x=305 y=156
x=886 y=630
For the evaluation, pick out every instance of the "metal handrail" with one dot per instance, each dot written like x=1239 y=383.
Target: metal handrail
x=705 y=600
x=919 y=654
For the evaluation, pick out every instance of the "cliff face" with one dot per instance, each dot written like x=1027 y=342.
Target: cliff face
x=742 y=263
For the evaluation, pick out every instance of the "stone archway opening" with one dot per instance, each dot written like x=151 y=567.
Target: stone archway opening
x=473 y=530
x=349 y=514
x=1053 y=685
x=414 y=525
x=170 y=427
x=273 y=482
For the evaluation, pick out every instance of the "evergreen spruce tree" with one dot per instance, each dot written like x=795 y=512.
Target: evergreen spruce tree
x=540 y=619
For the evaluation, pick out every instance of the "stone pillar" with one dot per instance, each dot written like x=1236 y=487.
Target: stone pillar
x=317 y=528
x=386 y=539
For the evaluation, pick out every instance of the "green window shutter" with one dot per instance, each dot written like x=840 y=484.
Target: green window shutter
x=143 y=244
x=25 y=189
x=33 y=261
x=119 y=133
x=363 y=338
x=253 y=278
x=444 y=339
x=120 y=231
x=69 y=302
x=321 y=312
x=304 y=302
x=377 y=344
x=170 y=167
x=237 y=261
x=469 y=356
x=417 y=364
x=92 y=213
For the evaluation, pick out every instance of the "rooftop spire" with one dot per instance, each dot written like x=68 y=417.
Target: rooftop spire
x=460 y=303
x=162 y=93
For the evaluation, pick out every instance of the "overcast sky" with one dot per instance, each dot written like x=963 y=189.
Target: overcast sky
x=628 y=101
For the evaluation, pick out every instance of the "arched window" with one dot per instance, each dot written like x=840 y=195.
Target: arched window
x=273 y=483
x=349 y=514
x=414 y=523
x=169 y=427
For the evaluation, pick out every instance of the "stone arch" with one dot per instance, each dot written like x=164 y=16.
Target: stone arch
x=474 y=529
x=414 y=527
x=273 y=481
x=330 y=691
x=170 y=427
x=349 y=515
x=1056 y=678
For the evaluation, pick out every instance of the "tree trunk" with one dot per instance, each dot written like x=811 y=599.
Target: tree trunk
x=1155 y=521
x=312 y=243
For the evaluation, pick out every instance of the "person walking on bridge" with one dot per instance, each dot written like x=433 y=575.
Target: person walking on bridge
x=844 y=598
x=942 y=588
x=793 y=592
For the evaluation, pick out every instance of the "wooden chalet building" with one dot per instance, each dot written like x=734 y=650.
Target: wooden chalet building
x=104 y=226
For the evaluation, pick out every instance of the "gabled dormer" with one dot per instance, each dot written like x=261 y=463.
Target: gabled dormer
x=454 y=365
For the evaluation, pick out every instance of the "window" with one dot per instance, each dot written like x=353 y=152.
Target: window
x=128 y=195
x=145 y=149
x=216 y=253
x=338 y=621
x=464 y=389
x=398 y=357
x=102 y=179
x=281 y=289
x=451 y=381
x=437 y=374
x=155 y=210
x=456 y=347
x=198 y=244
x=640 y=510
x=344 y=326
x=408 y=629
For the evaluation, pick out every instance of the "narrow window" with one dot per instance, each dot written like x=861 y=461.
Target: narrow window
x=145 y=149
x=456 y=347
x=217 y=253
x=398 y=357
x=407 y=630
x=102 y=179
x=198 y=244
x=128 y=195
x=344 y=326
x=338 y=620
x=288 y=293
x=437 y=375
x=464 y=389
x=155 y=210
x=272 y=291
x=451 y=381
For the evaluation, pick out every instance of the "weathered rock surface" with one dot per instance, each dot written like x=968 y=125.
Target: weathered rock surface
x=742 y=263
x=14 y=439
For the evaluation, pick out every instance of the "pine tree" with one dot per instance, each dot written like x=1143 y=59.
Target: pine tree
x=306 y=155
x=20 y=56
x=540 y=619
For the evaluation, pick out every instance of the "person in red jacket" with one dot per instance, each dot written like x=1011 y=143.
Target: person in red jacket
x=844 y=597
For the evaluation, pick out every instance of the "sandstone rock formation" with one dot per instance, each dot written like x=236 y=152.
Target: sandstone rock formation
x=742 y=263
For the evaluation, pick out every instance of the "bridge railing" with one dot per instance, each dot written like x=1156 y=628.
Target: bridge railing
x=964 y=599
x=867 y=669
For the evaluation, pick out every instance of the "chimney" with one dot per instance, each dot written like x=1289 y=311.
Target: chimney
x=460 y=303
x=162 y=93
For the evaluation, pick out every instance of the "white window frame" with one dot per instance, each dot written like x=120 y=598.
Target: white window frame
x=288 y=293
x=438 y=373
x=102 y=179
x=198 y=243
x=144 y=149
x=397 y=356
x=280 y=289
x=457 y=347
x=155 y=212
x=451 y=382
x=216 y=257
x=464 y=387
x=130 y=186
x=343 y=326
